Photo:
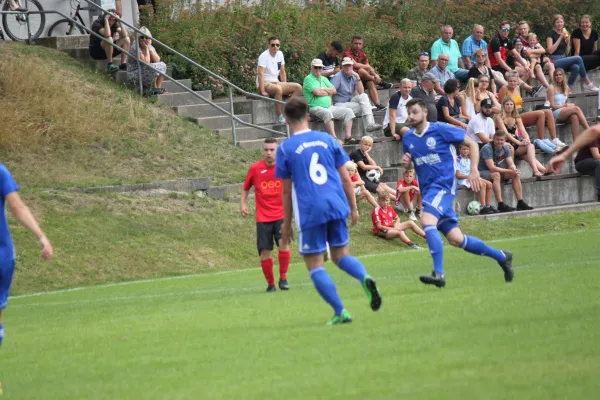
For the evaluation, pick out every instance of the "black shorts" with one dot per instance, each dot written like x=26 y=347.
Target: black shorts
x=499 y=69
x=266 y=232
x=98 y=53
x=370 y=185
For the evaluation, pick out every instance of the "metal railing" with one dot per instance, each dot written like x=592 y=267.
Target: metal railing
x=137 y=33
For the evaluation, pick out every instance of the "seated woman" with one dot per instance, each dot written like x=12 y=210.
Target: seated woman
x=585 y=43
x=483 y=84
x=509 y=121
x=534 y=65
x=449 y=106
x=557 y=45
x=467 y=97
x=539 y=118
x=480 y=68
x=151 y=80
x=558 y=96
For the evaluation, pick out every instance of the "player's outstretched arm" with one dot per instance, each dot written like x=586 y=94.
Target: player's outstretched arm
x=473 y=177
x=582 y=140
x=287 y=233
x=24 y=216
x=349 y=191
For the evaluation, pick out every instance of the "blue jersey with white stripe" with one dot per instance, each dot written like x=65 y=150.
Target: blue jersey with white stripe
x=434 y=155
x=311 y=160
x=7 y=186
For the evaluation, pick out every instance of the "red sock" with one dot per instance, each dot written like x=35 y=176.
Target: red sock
x=267 y=267
x=284 y=263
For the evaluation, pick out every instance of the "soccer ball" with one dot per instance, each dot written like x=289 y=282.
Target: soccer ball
x=373 y=175
x=473 y=207
x=357 y=190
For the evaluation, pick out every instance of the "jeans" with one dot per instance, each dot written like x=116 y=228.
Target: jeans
x=590 y=166
x=574 y=65
x=462 y=74
x=545 y=145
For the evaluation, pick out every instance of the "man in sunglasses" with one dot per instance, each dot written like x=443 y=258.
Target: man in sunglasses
x=416 y=74
x=271 y=79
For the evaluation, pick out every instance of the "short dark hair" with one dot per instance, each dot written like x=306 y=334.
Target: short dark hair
x=450 y=86
x=337 y=46
x=500 y=133
x=416 y=102
x=503 y=23
x=270 y=140
x=358 y=37
x=296 y=109
x=272 y=38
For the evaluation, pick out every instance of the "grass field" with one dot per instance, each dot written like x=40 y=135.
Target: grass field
x=219 y=336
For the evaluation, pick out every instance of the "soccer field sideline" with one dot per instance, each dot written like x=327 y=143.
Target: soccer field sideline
x=108 y=285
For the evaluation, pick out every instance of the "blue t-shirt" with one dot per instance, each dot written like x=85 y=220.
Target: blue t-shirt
x=7 y=186
x=311 y=160
x=434 y=155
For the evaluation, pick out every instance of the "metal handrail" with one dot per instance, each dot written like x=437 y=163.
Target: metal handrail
x=232 y=86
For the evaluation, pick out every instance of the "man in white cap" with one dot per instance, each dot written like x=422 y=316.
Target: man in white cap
x=351 y=94
x=318 y=91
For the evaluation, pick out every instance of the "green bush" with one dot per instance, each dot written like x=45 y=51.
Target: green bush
x=228 y=39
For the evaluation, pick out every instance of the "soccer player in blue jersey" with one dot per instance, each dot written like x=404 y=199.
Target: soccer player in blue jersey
x=318 y=188
x=431 y=147
x=9 y=196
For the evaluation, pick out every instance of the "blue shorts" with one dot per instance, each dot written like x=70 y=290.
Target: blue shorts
x=6 y=274
x=440 y=203
x=314 y=240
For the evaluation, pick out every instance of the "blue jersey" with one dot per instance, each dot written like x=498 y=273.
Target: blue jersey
x=434 y=155
x=7 y=186
x=311 y=160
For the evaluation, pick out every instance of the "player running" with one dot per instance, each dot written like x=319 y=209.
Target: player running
x=318 y=188
x=269 y=214
x=9 y=196
x=430 y=146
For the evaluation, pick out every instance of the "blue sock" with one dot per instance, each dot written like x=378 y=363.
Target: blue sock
x=326 y=288
x=1 y=333
x=436 y=247
x=352 y=267
x=477 y=246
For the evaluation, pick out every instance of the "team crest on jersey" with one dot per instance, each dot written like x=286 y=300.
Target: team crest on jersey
x=430 y=143
x=411 y=147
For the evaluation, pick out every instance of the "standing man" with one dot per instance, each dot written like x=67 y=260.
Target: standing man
x=416 y=74
x=430 y=146
x=9 y=196
x=367 y=74
x=350 y=93
x=269 y=214
x=312 y=166
x=472 y=43
x=271 y=78
x=331 y=64
x=447 y=45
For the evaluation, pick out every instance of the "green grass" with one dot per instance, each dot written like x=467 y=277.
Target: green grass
x=219 y=336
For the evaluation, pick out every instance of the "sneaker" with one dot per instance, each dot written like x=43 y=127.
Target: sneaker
x=412 y=216
x=435 y=278
x=546 y=104
x=503 y=207
x=387 y=85
x=372 y=293
x=123 y=67
x=590 y=87
x=485 y=210
x=281 y=120
x=373 y=127
x=522 y=206
x=271 y=289
x=493 y=209
x=112 y=68
x=283 y=284
x=558 y=143
x=506 y=266
x=380 y=107
x=414 y=246
x=343 y=318
x=419 y=212
x=536 y=90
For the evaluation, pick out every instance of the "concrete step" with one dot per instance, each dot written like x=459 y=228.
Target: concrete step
x=222 y=122
x=359 y=128
x=588 y=102
x=257 y=143
x=385 y=154
x=563 y=131
x=578 y=86
x=64 y=42
x=206 y=110
x=538 y=212
x=181 y=99
x=249 y=134
x=79 y=53
x=171 y=87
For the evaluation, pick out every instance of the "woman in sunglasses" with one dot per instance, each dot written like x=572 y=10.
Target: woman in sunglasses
x=151 y=80
x=480 y=68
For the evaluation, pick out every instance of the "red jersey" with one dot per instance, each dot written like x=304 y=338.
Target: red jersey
x=403 y=184
x=359 y=57
x=267 y=190
x=384 y=217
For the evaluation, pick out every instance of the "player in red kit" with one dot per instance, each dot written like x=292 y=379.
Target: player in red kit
x=269 y=214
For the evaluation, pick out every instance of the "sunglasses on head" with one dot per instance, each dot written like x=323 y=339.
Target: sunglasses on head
x=423 y=53
x=275 y=45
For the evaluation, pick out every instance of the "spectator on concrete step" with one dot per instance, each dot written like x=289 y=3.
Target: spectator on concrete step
x=107 y=26
x=562 y=110
x=408 y=195
x=442 y=73
x=467 y=97
x=534 y=64
x=558 y=44
x=151 y=80
x=357 y=183
x=540 y=63
x=426 y=92
x=367 y=74
x=331 y=64
x=497 y=166
x=481 y=127
x=350 y=93
x=483 y=92
x=416 y=74
x=449 y=106
x=365 y=163
x=471 y=44
x=585 y=43
x=480 y=67
x=271 y=78
x=462 y=173
x=587 y=162
x=394 y=122
x=318 y=92
x=448 y=46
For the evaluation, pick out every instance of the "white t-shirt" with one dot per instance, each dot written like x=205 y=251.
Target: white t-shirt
x=272 y=66
x=480 y=124
x=399 y=103
x=464 y=167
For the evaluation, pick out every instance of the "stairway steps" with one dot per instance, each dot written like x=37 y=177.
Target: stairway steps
x=222 y=122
